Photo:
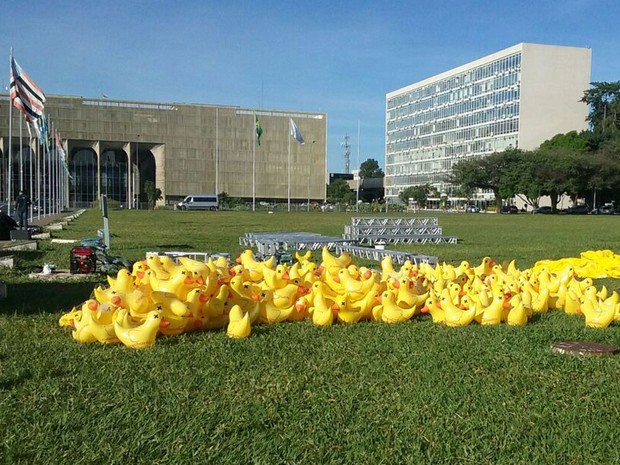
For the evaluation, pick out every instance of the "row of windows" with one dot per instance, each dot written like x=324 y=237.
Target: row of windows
x=474 y=147
x=506 y=97
x=506 y=126
x=463 y=121
x=480 y=91
x=509 y=64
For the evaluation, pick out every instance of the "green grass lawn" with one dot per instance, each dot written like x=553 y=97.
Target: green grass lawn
x=294 y=393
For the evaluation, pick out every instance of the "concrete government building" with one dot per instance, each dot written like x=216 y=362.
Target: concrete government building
x=115 y=146
x=518 y=97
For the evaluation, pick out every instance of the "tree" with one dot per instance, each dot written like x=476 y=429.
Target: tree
x=604 y=101
x=580 y=142
x=338 y=191
x=495 y=172
x=370 y=169
x=153 y=194
x=419 y=194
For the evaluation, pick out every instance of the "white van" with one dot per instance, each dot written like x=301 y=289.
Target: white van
x=199 y=202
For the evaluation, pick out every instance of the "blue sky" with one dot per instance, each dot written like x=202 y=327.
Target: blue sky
x=340 y=58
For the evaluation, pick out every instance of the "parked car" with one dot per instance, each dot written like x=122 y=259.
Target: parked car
x=547 y=210
x=607 y=209
x=472 y=209
x=578 y=210
x=510 y=209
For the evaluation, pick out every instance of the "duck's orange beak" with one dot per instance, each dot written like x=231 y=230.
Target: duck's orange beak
x=254 y=297
x=164 y=323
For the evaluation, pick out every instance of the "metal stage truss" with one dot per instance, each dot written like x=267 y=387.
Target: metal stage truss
x=397 y=230
x=398 y=258
x=270 y=243
x=393 y=221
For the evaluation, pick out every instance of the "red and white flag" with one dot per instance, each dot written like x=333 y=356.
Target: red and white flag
x=25 y=95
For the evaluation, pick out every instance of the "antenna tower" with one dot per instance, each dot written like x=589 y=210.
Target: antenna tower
x=347 y=154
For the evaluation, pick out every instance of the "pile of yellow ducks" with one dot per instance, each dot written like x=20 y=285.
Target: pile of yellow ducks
x=163 y=296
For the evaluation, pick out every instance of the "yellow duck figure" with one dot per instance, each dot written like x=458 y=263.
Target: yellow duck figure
x=572 y=304
x=517 y=316
x=407 y=296
x=366 y=304
x=391 y=312
x=269 y=312
x=387 y=268
x=102 y=322
x=332 y=263
x=332 y=281
x=123 y=283
x=68 y=319
x=239 y=325
x=357 y=288
x=306 y=257
x=454 y=316
x=216 y=309
x=140 y=336
x=254 y=267
x=322 y=313
x=177 y=284
x=80 y=321
x=168 y=264
x=493 y=314
x=540 y=302
x=154 y=263
x=301 y=308
x=485 y=268
x=138 y=269
x=431 y=305
x=597 y=316
x=196 y=302
x=344 y=313
x=138 y=304
x=172 y=302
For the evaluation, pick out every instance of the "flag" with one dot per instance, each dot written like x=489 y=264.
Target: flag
x=43 y=132
x=259 y=130
x=60 y=148
x=295 y=132
x=25 y=95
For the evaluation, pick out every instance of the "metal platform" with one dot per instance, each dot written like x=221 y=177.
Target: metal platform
x=198 y=256
x=274 y=242
x=268 y=243
x=370 y=253
x=393 y=221
x=397 y=230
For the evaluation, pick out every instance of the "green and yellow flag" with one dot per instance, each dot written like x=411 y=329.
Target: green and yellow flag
x=259 y=130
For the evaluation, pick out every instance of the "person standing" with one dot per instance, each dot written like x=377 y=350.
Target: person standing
x=21 y=207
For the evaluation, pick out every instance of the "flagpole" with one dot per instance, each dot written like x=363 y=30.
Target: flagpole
x=254 y=136
x=217 y=151
x=21 y=157
x=9 y=196
x=357 y=197
x=289 y=168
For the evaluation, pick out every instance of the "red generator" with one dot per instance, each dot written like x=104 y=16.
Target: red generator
x=82 y=260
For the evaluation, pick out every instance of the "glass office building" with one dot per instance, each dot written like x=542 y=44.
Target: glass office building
x=517 y=97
